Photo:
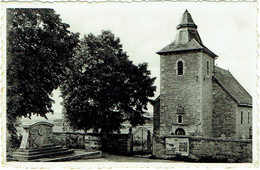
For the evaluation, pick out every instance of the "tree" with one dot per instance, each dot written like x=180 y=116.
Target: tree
x=39 y=46
x=103 y=88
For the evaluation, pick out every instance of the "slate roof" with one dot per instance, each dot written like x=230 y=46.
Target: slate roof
x=187 y=38
x=186 y=21
x=230 y=85
x=226 y=80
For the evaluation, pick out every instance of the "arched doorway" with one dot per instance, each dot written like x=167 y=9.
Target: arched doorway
x=179 y=131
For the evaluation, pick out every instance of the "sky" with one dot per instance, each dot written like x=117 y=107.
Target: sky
x=227 y=29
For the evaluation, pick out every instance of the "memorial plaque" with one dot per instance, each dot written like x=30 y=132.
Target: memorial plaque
x=183 y=146
x=177 y=146
x=37 y=135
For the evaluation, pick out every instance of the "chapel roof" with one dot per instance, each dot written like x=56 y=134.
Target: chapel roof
x=232 y=86
x=187 y=38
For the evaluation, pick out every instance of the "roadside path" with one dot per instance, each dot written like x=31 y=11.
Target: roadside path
x=118 y=158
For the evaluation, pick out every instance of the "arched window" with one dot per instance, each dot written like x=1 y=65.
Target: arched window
x=241 y=117
x=179 y=131
x=248 y=117
x=207 y=68
x=180 y=68
x=180 y=120
x=250 y=133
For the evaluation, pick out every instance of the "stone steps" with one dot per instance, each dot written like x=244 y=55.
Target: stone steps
x=40 y=151
x=80 y=154
x=31 y=155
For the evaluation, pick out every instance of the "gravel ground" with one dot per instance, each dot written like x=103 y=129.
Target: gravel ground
x=117 y=158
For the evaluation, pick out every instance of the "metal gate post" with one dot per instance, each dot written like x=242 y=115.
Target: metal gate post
x=130 y=142
x=149 y=141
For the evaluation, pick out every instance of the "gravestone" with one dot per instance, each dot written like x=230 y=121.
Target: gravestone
x=38 y=142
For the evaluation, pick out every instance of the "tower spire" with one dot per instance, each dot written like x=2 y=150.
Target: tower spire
x=187 y=31
x=186 y=21
x=187 y=38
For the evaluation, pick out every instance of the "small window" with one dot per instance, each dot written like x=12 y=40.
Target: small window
x=207 y=68
x=248 y=117
x=250 y=133
x=180 y=131
x=180 y=119
x=241 y=117
x=180 y=68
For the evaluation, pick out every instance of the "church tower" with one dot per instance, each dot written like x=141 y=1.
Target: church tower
x=186 y=83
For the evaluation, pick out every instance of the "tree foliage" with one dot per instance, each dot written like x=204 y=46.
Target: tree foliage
x=39 y=46
x=104 y=88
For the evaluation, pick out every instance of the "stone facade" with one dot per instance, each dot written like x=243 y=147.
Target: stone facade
x=224 y=113
x=243 y=122
x=192 y=91
x=230 y=118
x=156 y=117
x=197 y=98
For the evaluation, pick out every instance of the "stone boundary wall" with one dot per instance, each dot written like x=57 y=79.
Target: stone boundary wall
x=209 y=149
x=77 y=140
x=221 y=149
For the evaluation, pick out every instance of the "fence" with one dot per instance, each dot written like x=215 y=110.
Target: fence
x=138 y=142
x=117 y=143
x=142 y=141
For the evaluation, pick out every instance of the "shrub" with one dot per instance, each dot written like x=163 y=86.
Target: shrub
x=13 y=142
x=75 y=142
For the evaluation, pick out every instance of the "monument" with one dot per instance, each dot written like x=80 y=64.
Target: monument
x=37 y=135
x=38 y=142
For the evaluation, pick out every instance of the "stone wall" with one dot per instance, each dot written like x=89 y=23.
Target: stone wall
x=221 y=149
x=227 y=115
x=224 y=113
x=159 y=149
x=207 y=94
x=192 y=91
x=244 y=126
x=179 y=91
x=78 y=140
x=209 y=149
x=156 y=117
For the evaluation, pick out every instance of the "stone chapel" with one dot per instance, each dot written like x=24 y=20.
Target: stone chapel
x=197 y=98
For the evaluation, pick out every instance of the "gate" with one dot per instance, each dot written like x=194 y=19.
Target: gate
x=142 y=143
